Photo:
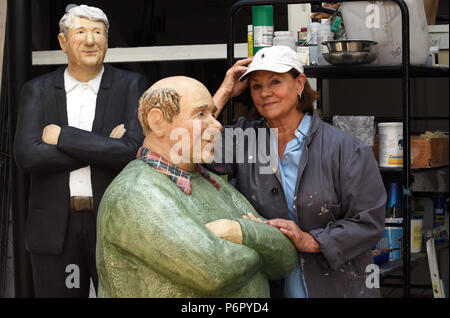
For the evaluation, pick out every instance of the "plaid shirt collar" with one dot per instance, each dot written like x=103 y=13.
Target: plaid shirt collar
x=181 y=177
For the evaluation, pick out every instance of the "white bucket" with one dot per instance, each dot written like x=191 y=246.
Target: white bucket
x=391 y=145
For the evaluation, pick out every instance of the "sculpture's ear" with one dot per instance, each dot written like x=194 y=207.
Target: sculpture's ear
x=156 y=122
x=62 y=41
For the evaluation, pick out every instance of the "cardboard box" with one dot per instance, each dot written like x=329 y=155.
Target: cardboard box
x=429 y=152
x=425 y=152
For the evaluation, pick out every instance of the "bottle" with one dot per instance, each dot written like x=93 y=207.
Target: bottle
x=250 y=40
x=324 y=34
x=312 y=29
x=302 y=36
x=336 y=25
x=394 y=201
x=262 y=17
x=416 y=229
x=285 y=38
x=312 y=40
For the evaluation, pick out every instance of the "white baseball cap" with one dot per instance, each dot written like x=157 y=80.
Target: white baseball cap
x=278 y=59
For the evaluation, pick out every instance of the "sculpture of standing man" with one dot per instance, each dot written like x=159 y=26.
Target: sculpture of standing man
x=77 y=129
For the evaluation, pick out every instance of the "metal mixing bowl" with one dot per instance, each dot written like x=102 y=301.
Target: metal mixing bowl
x=349 y=45
x=339 y=58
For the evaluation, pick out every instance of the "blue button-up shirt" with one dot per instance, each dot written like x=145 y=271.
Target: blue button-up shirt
x=295 y=286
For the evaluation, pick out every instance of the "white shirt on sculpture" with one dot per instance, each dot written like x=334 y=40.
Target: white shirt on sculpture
x=81 y=99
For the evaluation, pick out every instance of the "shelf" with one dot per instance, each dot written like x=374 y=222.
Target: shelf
x=403 y=72
x=374 y=71
x=391 y=266
x=391 y=171
x=414 y=169
x=399 y=170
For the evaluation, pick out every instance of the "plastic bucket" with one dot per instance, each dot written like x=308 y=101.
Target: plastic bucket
x=392 y=238
x=391 y=145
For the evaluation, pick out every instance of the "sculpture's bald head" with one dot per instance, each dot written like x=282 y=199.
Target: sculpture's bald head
x=183 y=85
x=168 y=95
x=179 y=107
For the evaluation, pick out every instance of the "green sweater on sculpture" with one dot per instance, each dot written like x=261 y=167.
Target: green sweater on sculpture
x=152 y=240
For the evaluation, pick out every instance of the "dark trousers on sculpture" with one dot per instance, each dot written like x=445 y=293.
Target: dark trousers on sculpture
x=68 y=275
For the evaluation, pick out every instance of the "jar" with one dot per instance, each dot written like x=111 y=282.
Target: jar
x=302 y=36
x=285 y=38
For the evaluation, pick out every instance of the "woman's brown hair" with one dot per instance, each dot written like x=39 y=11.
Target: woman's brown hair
x=305 y=103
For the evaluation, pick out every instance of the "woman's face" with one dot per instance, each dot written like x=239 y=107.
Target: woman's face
x=275 y=95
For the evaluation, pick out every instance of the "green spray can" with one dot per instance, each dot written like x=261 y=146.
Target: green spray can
x=262 y=17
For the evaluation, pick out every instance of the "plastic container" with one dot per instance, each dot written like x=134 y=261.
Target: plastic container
x=439 y=216
x=313 y=54
x=416 y=234
x=336 y=25
x=324 y=34
x=391 y=145
x=392 y=239
x=262 y=17
x=312 y=40
x=312 y=30
x=381 y=21
x=285 y=38
x=303 y=54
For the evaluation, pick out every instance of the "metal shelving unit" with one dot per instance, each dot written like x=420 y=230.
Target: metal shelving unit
x=405 y=71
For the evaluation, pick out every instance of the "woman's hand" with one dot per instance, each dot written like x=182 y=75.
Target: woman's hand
x=231 y=86
x=303 y=241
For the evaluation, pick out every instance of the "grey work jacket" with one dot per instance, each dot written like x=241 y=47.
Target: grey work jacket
x=340 y=200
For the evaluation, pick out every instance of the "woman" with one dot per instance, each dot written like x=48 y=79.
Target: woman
x=326 y=193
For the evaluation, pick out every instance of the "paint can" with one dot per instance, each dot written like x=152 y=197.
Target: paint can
x=392 y=239
x=391 y=145
x=439 y=217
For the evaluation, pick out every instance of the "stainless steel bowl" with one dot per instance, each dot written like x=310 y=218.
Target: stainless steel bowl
x=349 y=58
x=349 y=45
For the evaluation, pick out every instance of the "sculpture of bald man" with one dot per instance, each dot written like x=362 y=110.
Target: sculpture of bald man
x=169 y=228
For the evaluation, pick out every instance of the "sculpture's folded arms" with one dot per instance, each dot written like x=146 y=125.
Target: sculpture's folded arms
x=152 y=240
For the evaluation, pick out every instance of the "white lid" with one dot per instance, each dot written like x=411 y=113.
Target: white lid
x=390 y=124
x=250 y=28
